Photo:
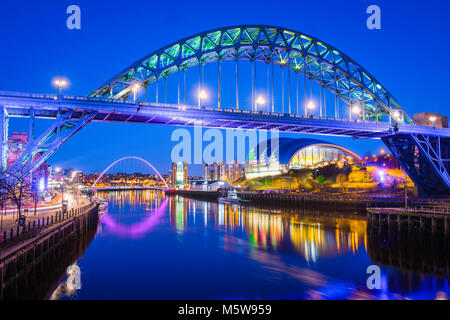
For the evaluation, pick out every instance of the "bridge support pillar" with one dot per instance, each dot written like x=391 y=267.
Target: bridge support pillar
x=425 y=159
x=4 y=121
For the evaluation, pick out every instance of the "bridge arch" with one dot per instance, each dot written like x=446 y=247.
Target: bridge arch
x=126 y=158
x=302 y=53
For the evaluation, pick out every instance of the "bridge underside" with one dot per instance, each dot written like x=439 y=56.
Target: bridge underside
x=425 y=159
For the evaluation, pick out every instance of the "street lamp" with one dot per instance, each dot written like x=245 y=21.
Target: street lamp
x=135 y=90
x=397 y=115
x=260 y=101
x=433 y=119
x=356 y=109
x=311 y=106
x=202 y=96
x=60 y=83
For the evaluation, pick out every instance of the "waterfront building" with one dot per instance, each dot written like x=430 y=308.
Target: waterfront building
x=202 y=185
x=222 y=171
x=431 y=119
x=179 y=175
x=295 y=155
x=17 y=143
x=206 y=169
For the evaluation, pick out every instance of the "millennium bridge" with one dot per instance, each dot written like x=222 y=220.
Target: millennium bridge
x=361 y=108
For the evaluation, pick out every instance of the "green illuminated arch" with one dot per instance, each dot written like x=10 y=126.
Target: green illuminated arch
x=302 y=53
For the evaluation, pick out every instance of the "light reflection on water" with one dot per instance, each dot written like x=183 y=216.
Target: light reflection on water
x=151 y=247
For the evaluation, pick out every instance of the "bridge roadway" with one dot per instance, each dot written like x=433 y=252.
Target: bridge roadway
x=110 y=110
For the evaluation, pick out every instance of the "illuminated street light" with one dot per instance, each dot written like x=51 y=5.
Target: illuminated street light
x=260 y=101
x=356 y=109
x=382 y=151
x=135 y=90
x=311 y=106
x=397 y=115
x=202 y=96
x=433 y=119
x=60 y=83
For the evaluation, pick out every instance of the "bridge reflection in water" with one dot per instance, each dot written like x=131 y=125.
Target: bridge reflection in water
x=198 y=250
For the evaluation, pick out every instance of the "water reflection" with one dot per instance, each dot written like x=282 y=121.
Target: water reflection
x=178 y=248
x=133 y=214
x=68 y=287
x=308 y=234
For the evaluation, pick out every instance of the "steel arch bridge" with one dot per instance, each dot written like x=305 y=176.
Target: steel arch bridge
x=127 y=158
x=424 y=152
x=293 y=50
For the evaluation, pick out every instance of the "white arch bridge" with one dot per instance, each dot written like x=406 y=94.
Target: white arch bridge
x=361 y=106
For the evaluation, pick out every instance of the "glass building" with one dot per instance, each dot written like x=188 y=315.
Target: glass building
x=295 y=154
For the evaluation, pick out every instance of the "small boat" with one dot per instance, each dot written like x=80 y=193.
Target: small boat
x=231 y=197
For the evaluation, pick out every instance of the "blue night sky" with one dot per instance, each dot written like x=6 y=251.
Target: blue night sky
x=409 y=55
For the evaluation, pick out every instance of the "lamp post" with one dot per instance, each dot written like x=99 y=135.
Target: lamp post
x=60 y=83
x=201 y=96
x=311 y=106
x=135 y=90
x=356 y=110
x=433 y=119
x=260 y=101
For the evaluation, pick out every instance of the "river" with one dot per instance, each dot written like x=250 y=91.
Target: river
x=149 y=246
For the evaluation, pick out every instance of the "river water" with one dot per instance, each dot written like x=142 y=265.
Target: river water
x=153 y=247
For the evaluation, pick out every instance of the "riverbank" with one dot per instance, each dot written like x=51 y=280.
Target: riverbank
x=32 y=249
x=320 y=201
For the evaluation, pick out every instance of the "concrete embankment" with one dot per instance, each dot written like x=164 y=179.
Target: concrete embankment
x=334 y=202
x=31 y=267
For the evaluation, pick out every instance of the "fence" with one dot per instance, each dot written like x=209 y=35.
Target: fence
x=39 y=224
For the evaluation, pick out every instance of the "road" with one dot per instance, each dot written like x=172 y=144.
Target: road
x=9 y=220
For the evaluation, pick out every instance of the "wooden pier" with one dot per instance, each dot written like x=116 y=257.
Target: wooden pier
x=432 y=220
x=414 y=240
x=329 y=201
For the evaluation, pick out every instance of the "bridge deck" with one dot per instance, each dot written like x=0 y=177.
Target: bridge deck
x=108 y=110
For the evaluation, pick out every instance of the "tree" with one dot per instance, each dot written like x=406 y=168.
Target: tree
x=15 y=187
x=3 y=200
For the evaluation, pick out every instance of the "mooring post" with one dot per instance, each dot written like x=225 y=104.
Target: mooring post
x=433 y=225
x=389 y=225
x=445 y=226
x=380 y=221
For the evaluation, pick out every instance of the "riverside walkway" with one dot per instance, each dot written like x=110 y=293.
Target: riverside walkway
x=45 y=215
